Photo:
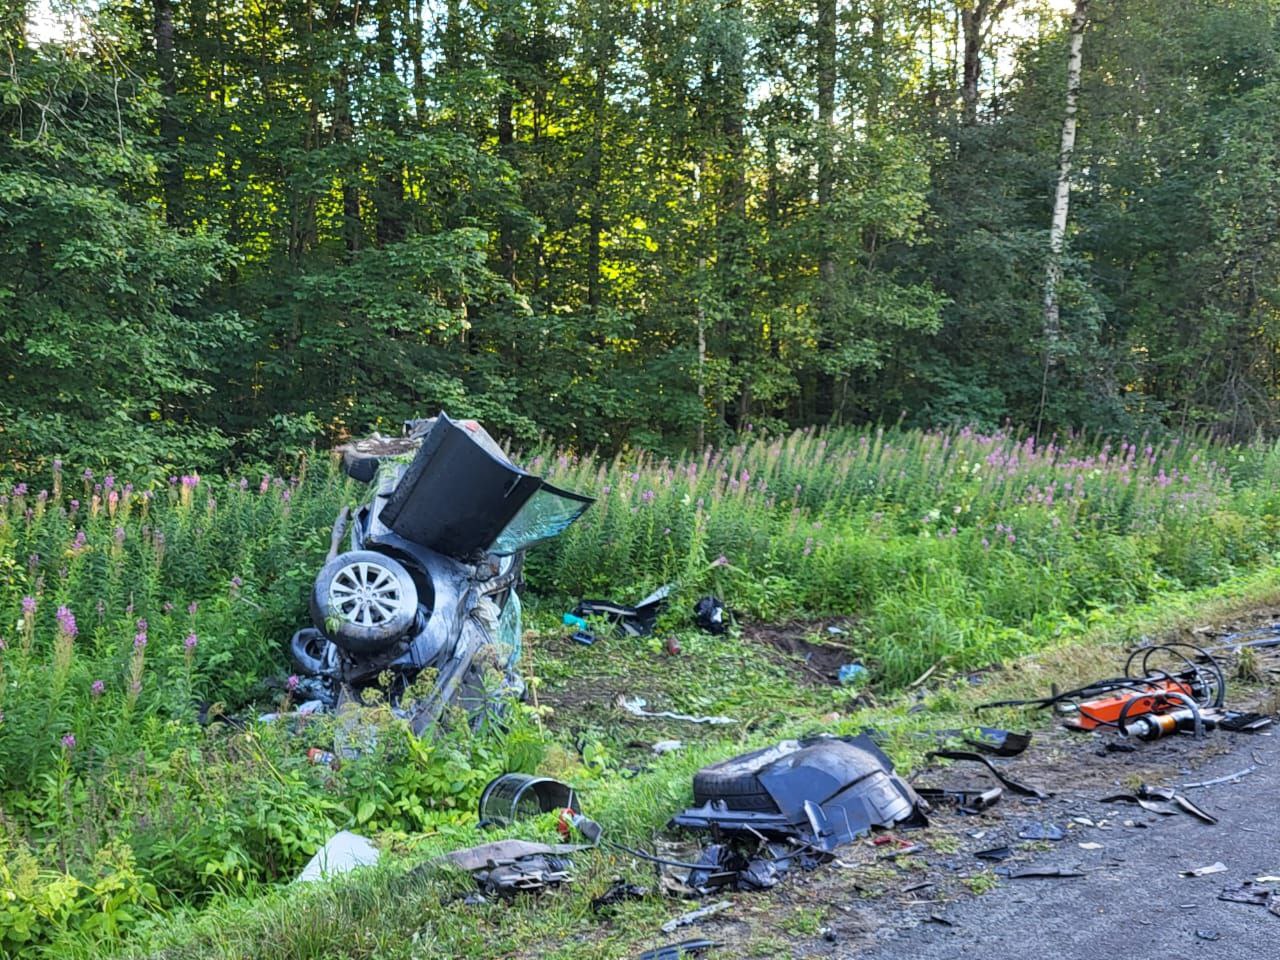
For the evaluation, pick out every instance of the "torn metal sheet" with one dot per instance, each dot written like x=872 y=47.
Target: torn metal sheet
x=636 y=707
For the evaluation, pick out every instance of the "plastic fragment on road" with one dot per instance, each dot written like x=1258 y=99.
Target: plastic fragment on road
x=696 y=916
x=678 y=951
x=341 y=853
x=636 y=707
x=1212 y=868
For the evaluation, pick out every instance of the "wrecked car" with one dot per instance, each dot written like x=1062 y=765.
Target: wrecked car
x=430 y=575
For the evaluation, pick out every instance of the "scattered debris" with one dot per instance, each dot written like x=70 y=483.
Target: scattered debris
x=1208 y=935
x=471 y=859
x=1163 y=801
x=970 y=801
x=995 y=853
x=1038 y=873
x=1229 y=778
x=1089 y=846
x=1042 y=831
x=709 y=615
x=524 y=875
x=341 y=853
x=1212 y=868
x=850 y=673
x=619 y=891
x=999 y=743
x=677 y=951
x=1250 y=891
x=516 y=796
x=823 y=791
x=667 y=746
x=696 y=916
x=637 y=621
x=636 y=707
x=1007 y=781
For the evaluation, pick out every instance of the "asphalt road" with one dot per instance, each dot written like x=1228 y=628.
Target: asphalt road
x=1132 y=903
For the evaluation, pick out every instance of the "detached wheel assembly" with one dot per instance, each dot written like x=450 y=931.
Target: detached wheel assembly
x=364 y=601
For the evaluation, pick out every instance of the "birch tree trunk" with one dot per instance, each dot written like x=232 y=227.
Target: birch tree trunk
x=1061 y=200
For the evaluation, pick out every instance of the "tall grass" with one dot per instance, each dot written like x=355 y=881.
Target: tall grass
x=128 y=615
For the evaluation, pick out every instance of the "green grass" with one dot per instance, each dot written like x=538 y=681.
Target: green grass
x=944 y=552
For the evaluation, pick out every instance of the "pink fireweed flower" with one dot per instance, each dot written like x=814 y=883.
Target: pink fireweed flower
x=28 y=605
x=647 y=496
x=192 y=607
x=68 y=741
x=190 y=641
x=67 y=621
x=97 y=688
x=119 y=536
x=88 y=474
x=292 y=683
x=139 y=640
x=80 y=542
x=720 y=561
x=266 y=483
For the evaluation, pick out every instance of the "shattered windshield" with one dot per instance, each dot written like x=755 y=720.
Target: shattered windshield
x=547 y=513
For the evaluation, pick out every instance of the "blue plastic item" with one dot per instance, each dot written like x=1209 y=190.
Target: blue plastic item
x=852 y=673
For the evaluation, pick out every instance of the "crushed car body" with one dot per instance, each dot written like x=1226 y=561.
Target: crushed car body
x=430 y=576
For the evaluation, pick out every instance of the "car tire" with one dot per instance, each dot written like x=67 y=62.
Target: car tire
x=364 y=601
x=360 y=466
x=735 y=782
x=308 y=650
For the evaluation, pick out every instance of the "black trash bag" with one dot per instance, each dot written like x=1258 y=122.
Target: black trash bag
x=710 y=615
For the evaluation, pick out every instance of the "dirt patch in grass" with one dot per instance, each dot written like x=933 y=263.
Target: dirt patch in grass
x=813 y=651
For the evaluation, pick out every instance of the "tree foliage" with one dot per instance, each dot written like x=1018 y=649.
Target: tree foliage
x=234 y=227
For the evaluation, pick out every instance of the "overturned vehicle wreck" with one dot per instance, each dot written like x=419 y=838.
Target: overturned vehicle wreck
x=430 y=576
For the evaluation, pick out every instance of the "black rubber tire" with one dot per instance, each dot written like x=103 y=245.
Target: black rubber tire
x=307 y=647
x=391 y=616
x=734 y=781
x=360 y=466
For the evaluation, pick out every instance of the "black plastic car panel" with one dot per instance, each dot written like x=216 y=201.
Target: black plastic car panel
x=826 y=790
x=458 y=498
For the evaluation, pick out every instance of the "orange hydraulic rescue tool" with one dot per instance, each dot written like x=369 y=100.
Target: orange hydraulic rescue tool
x=1145 y=696
x=1147 y=702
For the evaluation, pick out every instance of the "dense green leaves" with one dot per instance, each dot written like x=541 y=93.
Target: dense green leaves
x=232 y=229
